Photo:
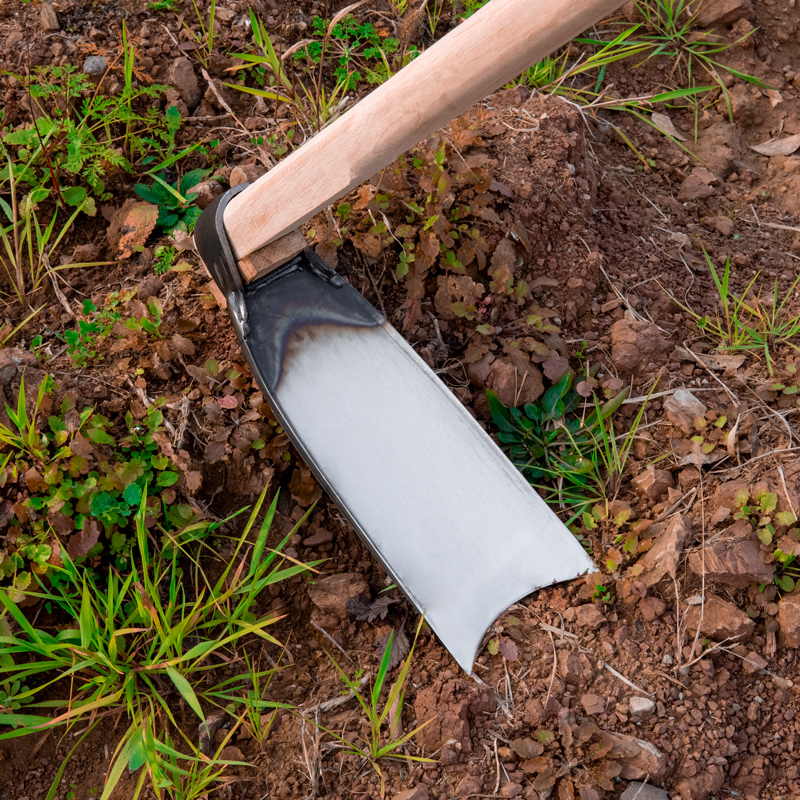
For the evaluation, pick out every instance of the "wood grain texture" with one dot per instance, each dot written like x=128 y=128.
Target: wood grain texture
x=271 y=256
x=491 y=48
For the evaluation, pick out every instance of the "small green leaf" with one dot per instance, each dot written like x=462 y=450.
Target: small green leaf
x=132 y=494
x=167 y=478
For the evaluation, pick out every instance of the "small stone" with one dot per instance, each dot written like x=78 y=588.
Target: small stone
x=173 y=98
x=246 y=173
x=695 y=188
x=654 y=482
x=85 y=252
x=182 y=77
x=734 y=562
x=639 y=759
x=753 y=662
x=527 y=748
x=643 y=791
x=331 y=593
x=651 y=608
x=224 y=14
x=789 y=619
x=589 y=616
x=641 y=706
x=206 y=191
x=15 y=38
x=593 y=704
x=469 y=785
x=722 y=225
x=662 y=558
x=13 y=360
x=721 y=619
x=701 y=785
x=320 y=536
x=417 y=793
x=48 y=18
x=636 y=344
x=95 y=66
x=716 y=13
x=682 y=409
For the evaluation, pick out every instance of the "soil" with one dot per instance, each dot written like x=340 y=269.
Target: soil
x=576 y=693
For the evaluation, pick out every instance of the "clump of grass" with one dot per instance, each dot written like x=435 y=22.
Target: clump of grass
x=750 y=322
x=672 y=30
x=376 y=746
x=130 y=649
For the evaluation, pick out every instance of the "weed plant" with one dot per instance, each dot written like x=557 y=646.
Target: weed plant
x=310 y=105
x=175 y=201
x=152 y=634
x=750 y=322
x=361 y=53
x=81 y=481
x=378 y=746
x=575 y=458
x=672 y=31
x=29 y=236
x=83 y=342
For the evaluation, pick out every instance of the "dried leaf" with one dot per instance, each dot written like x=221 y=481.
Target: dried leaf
x=34 y=481
x=400 y=646
x=81 y=447
x=665 y=125
x=527 y=748
x=305 y=490
x=730 y=442
x=183 y=345
x=229 y=401
x=501 y=188
x=778 y=147
x=363 y=608
x=81 y=542
x=508 y=649
x=137 y=225
x=555 y=366
x=214 y=451
x=194 y=479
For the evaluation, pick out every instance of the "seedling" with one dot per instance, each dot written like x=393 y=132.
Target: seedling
x=749 y=323
x=788 y=382
x=776 y=530
x=375 y=747
x=164 y=259
x=550 y=441
x=149 y=634
x=176 y=211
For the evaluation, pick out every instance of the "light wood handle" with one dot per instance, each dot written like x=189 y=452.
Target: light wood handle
x=491 y=48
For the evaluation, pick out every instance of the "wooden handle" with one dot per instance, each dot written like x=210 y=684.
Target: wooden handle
x=491 y=48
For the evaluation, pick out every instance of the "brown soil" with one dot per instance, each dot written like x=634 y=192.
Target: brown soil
x=601 y=240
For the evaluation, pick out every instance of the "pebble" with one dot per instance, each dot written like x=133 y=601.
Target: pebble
x=48 y=18
x=641 y=706
x=95 y=66
x=643 y=791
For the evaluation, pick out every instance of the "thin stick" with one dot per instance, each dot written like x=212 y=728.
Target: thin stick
x=628 y=682
x=332 y=641
x=786 y=491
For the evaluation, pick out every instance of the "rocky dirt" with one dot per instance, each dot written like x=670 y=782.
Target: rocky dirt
x=681 y=679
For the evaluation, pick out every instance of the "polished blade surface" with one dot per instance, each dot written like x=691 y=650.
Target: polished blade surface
x=440 y=505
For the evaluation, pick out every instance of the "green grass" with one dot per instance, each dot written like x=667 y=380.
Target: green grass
x=750 y=322
x=136 y=647
x=378 y=746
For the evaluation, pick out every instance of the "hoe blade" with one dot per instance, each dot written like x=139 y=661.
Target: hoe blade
x=438 y=503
